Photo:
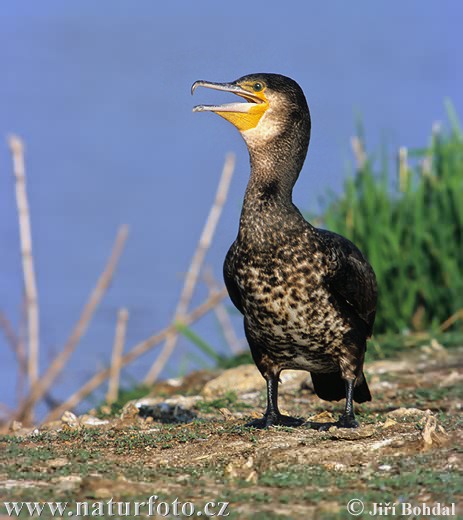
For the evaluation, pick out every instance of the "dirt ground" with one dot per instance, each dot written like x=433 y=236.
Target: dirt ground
x=407 y=450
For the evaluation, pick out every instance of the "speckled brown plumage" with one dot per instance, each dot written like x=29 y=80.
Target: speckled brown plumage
x=308 y=296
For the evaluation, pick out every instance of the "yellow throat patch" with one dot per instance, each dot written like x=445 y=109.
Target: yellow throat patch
x=245 y=120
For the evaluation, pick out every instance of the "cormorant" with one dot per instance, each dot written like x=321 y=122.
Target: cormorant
x=308 y=295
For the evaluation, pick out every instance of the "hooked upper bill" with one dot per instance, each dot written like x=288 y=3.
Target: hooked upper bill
x=250 y=97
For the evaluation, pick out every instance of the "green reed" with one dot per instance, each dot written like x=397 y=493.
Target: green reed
x=410 y=228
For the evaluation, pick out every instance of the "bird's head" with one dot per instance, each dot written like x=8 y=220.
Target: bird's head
x=273 y=105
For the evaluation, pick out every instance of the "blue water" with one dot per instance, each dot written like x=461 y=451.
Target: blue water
x=100 y=92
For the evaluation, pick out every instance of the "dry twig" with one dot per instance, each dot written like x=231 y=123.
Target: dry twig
x=40 y=388
x=30 y=286
x=138 y=350
x=118 y=348
x=18 y=348
x=222 y=315
x=195 y=266
x=10 y=334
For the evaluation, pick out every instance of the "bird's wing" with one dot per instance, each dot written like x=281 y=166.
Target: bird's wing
x=230 y=283
x=350 y=277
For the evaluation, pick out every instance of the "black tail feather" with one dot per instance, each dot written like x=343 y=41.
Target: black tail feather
x=331 y=387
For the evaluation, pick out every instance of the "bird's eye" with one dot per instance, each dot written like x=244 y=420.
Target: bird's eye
x=257 y=87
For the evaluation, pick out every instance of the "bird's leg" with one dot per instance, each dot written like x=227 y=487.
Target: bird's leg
x=347 y=419
x=272 y=416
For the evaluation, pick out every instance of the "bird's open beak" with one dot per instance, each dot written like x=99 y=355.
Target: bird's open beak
x=251 y=98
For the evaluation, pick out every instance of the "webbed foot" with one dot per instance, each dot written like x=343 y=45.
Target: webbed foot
x=275 y=420
x=345 y=421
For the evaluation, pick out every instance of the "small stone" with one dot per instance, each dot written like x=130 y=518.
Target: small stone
x=433 y=433
x=252 y=477
x=249 y=463
x=452 y=379
x=91 y=421
x=225 y=412
x=15 y=426
x=51 y=426
x=230 y=471
x=70 y=419
x=323 y=417
x=388 y=423
x=67 y=484
x=385 y=467
x=129 y=412
x=402 y=414
x=58 y=463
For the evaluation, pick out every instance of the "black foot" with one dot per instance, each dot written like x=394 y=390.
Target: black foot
x=275 y=420
x=345 y=421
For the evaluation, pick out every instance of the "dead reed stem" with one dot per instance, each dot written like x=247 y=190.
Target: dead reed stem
x=22 y=341
x=359 y=151
x=138 y=350
x=116 y=359
x=40 y=387
x=451 y=320
x=404 y=171
x=9 y=334
x=30 y=286
x=222 y=315
x=195 y=266
x=18 y=349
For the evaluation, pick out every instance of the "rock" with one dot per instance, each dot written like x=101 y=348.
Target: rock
x=241 y=379
x=323 y=417
x=51 y=426
x=227 y=415
x=192 y=383
x=385 y=467
x=106 y=409
x=403 y=414
x=92 y=422
x=242 y=470
x=433 y=433
x=70 y=419
x=388 y=423
x=67 y=484
x=24 y=432
x=58 y=463
x=15 y=426
x=453 y=379
x=130 y=412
